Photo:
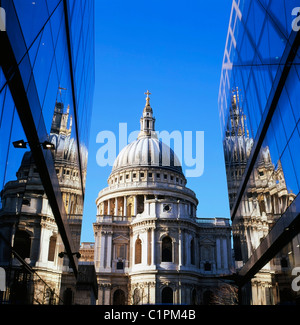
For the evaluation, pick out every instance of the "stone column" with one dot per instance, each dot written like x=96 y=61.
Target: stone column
x=180 y=248
x=187 y=249
x=225 y=257
x=96 y=252
x=229 y=252
x=109 y=250
x=44 y=244
x=42 y=240
x=108 y=207
x=107 y=294
x=101 y=295
x=218 y=247
x=125 y=206
x=116 y=206
x=153 y=246
x=103 y=250
x=135 y=205
x=149 y=247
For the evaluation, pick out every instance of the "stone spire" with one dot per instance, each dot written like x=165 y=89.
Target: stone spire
x=147 y=120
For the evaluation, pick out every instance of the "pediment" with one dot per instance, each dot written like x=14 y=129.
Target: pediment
x=120 y=239
x=207 y=241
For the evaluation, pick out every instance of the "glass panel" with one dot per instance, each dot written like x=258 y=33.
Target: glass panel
x=277 y=283
x=34 y=11
x=57 y=22
x=274 y=181
x=282 y=21
x=2 y=79
x=289 y=172
x=286 y=113
x=43 y=63
x=26 y=219
x=295 y=153
x=7 y=116
x=51 y=5
x=293 y=90
x=279 y=131
x=50 y=97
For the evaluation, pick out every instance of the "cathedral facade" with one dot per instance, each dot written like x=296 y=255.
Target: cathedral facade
x=150 y=247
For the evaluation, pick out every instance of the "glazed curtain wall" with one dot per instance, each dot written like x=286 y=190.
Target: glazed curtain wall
x=259 y=107
x=51 y=46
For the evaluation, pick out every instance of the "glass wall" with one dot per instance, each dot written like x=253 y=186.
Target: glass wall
x=46 y=94
x=259 y=110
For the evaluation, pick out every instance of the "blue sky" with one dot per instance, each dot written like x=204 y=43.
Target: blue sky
x=174 y=49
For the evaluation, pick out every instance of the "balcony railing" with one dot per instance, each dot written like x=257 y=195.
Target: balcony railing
x=221 y=222
x=217 y=222
x=114 y=219
x=148 y=185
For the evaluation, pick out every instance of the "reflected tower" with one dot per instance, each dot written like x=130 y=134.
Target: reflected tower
x=263 y=202
x=27 y=221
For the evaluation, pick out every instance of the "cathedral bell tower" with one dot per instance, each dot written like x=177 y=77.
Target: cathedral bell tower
x=147 y=121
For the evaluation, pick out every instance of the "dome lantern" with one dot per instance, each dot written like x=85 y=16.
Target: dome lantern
x=147 y=150
x=147 y=120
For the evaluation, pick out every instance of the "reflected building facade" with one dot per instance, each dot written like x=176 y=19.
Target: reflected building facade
x=46 y=92
x=259 y=110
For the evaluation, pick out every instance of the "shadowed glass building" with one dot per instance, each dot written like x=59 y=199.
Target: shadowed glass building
x=46 y=93
x=259 y=108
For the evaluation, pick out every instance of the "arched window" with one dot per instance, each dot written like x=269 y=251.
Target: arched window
x=167 y=296
x=119 y=298
x=138 y=251
x=166 y=253
x=22 y=243
x=51 y=251
x=192 y=252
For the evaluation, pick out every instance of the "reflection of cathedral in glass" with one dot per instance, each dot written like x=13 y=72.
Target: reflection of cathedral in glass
x=264 y=201
x=27 y=221
x=237 y=146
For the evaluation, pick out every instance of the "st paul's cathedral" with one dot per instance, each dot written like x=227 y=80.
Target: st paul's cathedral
x=150 y=247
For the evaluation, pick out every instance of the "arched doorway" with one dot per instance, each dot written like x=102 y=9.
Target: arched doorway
x=167 y=296
x=119 y=298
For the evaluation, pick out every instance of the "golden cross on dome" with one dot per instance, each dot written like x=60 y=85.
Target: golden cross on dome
x=148 y=98
x=148 y=93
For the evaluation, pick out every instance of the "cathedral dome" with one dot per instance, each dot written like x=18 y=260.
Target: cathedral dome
x=147 y=150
